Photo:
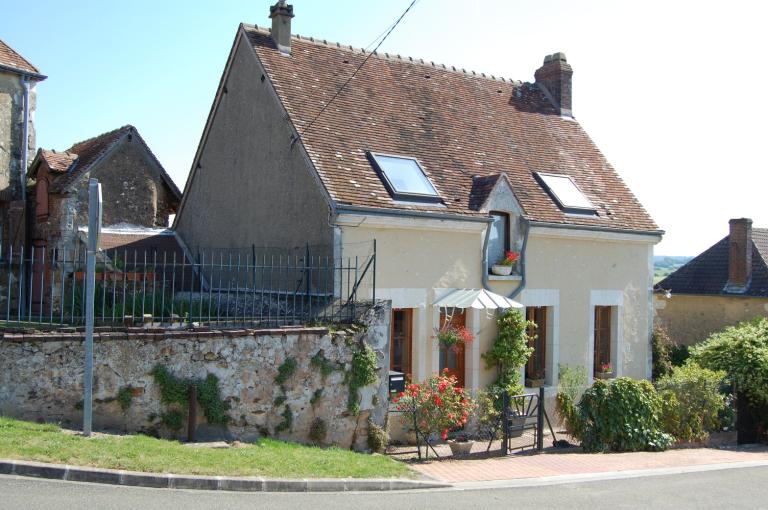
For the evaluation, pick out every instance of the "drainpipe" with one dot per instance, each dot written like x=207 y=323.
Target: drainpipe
x=486 y=284
x=25 y=140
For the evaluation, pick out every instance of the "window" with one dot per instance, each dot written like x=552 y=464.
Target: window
x=400 y=344
x=603 y=337
x=565 y=193
x=536 y=368
x=404 y=178
x=498 y=240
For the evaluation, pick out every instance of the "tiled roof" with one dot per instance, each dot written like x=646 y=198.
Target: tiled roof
x=708 y=273
x=57 y=161
x=88 y=152
x=481 y=189
x=9 y=58
x=458 y=125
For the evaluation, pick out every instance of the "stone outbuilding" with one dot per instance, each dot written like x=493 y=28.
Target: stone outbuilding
x=136 y=189
x=18 y=80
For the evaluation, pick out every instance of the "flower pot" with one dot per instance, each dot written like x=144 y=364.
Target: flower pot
x=501 y=270
x=518 y=426
x=603 y=375
x=460 y=448
x=534 y=383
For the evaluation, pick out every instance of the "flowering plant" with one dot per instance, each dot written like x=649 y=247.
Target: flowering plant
x=606 y=368
x=509 y=258
x=453 y=337
x=434 y=406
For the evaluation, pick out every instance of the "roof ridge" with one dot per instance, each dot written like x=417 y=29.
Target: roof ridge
x=106 y=133
x=407 y=59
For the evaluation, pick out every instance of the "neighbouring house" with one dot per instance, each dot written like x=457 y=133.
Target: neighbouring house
x=723 y=286
x=442 y=170
x=136 y=190
x=18 y=81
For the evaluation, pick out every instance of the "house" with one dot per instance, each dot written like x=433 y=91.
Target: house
x=723 y=286
x=444 y=170
x=18 y=82
x=136 y=190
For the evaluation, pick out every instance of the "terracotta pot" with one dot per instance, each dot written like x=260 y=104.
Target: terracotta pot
x=501 y=270
x=460 y=448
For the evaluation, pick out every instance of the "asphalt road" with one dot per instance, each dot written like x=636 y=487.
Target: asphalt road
x=730 y=488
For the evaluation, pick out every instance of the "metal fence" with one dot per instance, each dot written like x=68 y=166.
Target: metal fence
x=223 y=288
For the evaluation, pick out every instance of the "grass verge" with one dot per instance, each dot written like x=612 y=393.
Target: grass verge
x=22 y=440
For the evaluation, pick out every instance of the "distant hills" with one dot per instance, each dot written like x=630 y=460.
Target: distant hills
x=663 y=265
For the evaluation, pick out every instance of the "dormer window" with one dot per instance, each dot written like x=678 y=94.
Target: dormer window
x=404 y=178
x=565 y=193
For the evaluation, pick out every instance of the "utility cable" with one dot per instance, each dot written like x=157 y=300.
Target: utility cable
x=341 y=89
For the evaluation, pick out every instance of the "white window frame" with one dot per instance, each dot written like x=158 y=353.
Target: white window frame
x=549 y=298
x=613 y=298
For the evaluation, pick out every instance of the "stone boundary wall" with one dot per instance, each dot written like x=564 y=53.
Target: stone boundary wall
x=41 y=378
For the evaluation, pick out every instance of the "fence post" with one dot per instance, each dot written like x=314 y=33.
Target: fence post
x=504 y=422
x=540 y=422
x=94 y=226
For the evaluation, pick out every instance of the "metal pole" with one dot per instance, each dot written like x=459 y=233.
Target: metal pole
x=540 y=422
x=94 y=226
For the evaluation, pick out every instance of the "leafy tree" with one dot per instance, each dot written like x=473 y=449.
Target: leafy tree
x=661 y=346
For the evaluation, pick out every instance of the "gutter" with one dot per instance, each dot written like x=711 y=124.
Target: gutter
x=373 y=211
x=568 y=226
x=25 y=139
x=27 y=74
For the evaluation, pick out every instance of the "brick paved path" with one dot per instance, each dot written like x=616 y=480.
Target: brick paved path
x=556 y=463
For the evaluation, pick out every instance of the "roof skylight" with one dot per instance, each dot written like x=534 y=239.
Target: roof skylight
x=404 y=178
x=565 y=192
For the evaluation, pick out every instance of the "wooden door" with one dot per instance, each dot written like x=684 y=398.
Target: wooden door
x=453 y=359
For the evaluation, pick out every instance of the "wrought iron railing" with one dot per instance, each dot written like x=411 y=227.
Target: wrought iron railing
x=222 y=288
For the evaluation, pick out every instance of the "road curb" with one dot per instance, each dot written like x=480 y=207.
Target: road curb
x=211 y=483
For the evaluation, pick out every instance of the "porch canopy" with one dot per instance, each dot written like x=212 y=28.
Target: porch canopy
x=480 y=299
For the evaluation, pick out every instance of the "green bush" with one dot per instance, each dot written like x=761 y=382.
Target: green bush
x=621 y=415
x=679 y=355
x=661 y=347
x=742 y=352
x=571 y=383
x=509 y=352
x=692 y=401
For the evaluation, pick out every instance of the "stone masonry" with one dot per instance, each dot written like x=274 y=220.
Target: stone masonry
x=41 y=378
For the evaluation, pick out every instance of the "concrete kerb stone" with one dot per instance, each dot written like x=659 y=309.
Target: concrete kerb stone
x=172 y=481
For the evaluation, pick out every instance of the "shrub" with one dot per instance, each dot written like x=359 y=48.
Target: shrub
x=509 y=351
x=691 y=401
x=571 y=383
x=378 y=439
x=318 y=430
x=679 y=355
x=742 y=352
x=622 y=415
x=661 y=347
x=363 y=374
x=438 y=403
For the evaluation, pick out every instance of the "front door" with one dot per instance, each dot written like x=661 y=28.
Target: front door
x=453 y=359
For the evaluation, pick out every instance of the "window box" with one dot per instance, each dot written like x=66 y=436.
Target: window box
x=534 y=383
x=603 y=375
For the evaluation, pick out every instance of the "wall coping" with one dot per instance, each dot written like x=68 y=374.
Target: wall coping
x=152 y=334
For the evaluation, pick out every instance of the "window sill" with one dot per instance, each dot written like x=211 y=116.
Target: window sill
x=510 y=278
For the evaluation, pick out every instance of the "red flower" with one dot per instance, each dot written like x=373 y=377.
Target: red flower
x=445 y=370
x=438 y=400
x=444 y=435
x=512 y=256
x=458 y=391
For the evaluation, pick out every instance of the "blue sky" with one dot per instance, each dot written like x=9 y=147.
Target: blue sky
x=670 y=91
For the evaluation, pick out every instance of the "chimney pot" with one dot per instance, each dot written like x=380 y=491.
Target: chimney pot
x=739 y=255
x=554 y=78
x=281 y=14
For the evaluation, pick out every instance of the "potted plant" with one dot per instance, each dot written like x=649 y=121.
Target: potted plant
x=452 y=337
x=505 y=266
x=461 y=445
x=605 y=371
x=536 y=380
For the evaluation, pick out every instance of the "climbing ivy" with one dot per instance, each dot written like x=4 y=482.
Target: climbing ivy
x=285 y=371
x=175 y=391
x=316 y=396
x=325 y=365
x=287 y=420
x=124 y=397
x=362 y=374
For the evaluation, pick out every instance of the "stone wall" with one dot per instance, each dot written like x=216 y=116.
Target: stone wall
x=41 y=378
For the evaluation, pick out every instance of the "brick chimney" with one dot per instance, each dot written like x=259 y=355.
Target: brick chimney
x=739 y=255
x=281 y=14
x=554 y=77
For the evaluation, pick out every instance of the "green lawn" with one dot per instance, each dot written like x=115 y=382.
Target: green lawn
x=269 y=458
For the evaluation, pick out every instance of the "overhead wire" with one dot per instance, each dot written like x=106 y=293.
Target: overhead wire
x=357 y=70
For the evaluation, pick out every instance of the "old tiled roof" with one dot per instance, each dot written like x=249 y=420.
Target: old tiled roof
x=88 y=152
x=57 y=161
x=10 y=59
x=481 y=189
x=457 y=124
x=708 y=273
